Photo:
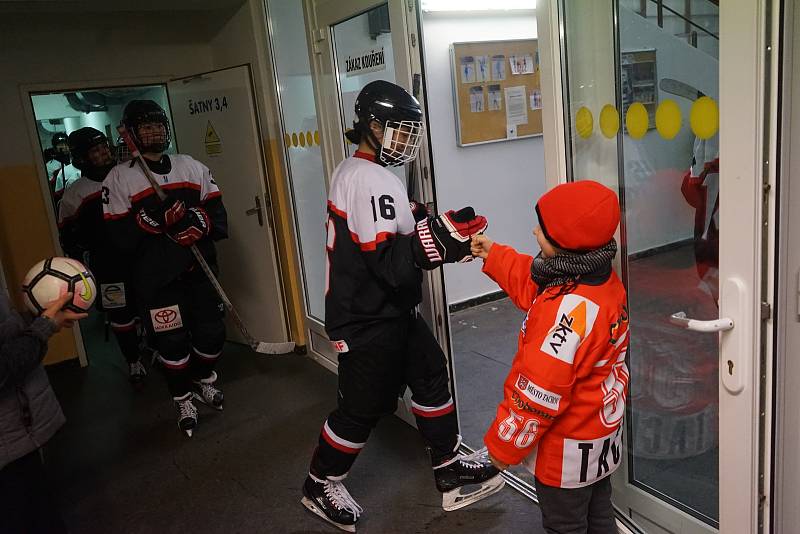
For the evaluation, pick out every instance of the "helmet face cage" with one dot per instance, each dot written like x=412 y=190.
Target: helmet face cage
x=401 y=141
x=155 y=140
x=123 y=153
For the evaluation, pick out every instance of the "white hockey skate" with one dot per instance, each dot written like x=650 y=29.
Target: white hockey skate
x=467 y=478
x=207 y=393
x=330 y=500
x=187 y=413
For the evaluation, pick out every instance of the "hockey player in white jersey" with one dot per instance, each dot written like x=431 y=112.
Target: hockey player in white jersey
x=179 y=305
x=82 y=232
x=378 y=243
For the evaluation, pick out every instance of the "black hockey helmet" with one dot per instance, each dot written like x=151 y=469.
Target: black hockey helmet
x=139 y=112
x=397 y=112
x=60 y=146
x=59 y=138
x=93 y=164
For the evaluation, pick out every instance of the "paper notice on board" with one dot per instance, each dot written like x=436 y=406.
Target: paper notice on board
x=476 y=99
x=498 y=68
x=495 y=97
x=521 y=64
x=467 y=69
x=481 y=68
x=516 y=105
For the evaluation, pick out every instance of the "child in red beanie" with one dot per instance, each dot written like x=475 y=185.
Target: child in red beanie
x=565 y=395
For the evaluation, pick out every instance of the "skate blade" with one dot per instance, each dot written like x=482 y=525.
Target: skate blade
x=309 y=504
x=200 y=398
x=454 y=499
x=188 y=432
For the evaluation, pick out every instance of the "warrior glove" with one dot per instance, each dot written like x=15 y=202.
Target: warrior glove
x=193 y=227
x=446 y=238
x=418 y=210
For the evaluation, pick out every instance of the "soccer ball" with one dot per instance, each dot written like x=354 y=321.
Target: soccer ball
x=51 y=278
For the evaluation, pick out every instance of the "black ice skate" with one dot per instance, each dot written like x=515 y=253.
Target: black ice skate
x=206 y=393
x=330 y=500
x=136 y=374
x=187 y=413
x=465 y=479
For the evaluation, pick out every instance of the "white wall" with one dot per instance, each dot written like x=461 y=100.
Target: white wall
x=656 y=212
x=487 y=177
x=92 y=48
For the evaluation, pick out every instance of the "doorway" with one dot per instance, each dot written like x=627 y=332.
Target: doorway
x=59 y=113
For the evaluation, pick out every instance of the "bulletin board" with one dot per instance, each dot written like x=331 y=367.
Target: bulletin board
x=496 y=90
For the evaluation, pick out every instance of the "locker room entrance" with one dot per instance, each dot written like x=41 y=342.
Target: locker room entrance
x=208 y=110
x=622 y=56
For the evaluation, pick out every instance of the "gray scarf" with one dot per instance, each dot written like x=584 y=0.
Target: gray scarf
x=567 y=268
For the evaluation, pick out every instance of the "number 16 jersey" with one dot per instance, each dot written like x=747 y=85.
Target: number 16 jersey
x=370 y=268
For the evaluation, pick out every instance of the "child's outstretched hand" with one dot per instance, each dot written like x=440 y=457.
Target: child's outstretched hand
x=480 y=246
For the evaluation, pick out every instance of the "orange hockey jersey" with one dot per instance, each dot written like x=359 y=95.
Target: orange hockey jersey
x=564 y=399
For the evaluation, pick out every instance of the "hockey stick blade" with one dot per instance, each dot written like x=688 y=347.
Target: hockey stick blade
x=273 y=348
x=677 y=88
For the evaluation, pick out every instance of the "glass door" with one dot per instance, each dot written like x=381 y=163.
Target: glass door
x=642 y=108
x=355 y=42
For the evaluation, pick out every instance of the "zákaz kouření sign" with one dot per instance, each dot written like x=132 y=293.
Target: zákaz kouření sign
x=365 y=61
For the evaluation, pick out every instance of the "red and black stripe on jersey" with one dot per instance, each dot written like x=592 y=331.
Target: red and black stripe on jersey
x=126 y=190
x=371 y=273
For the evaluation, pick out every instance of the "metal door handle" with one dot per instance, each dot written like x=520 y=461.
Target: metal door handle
x=715 y=325
x=257 y=211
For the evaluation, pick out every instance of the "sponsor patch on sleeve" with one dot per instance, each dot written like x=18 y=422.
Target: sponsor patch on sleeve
x=573 y=323
x=537 y=394
x=165 y=319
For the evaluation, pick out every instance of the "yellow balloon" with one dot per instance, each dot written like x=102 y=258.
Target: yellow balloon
x=704 y=117
x=637 y=120
x=287 y=139
x=309 y=139
x=584 y=122
x=609 y=121
x=668 y=119
x=294 y=139
x=302 y=139
x=316 y=137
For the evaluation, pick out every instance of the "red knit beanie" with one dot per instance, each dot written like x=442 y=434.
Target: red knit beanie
x=578 y=216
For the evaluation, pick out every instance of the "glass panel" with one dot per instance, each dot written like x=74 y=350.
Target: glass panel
x=304 y=156
x=363 y=47
x=668 y=182
x=501 y=180
x=57 y=115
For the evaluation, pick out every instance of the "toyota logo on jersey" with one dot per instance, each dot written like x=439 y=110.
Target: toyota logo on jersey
x=165 y=316
x=168 y=318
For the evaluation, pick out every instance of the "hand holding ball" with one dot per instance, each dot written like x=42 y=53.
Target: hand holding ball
x=49 y=280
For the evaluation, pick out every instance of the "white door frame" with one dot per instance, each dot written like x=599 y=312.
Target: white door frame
x=25 y=92
x=746 y=248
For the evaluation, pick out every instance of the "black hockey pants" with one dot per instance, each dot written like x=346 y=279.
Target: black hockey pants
x=401 y=352
x=185 y=320
x=117 y=299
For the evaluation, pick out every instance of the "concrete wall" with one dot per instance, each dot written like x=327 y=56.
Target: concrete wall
x=487 y=177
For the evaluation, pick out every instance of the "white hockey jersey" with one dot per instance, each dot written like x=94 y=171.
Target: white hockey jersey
x=371 y=273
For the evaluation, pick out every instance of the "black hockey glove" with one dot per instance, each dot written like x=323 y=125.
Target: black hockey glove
x=156 y=219
x=418 y=210
x=192 y=228
x=446 y=238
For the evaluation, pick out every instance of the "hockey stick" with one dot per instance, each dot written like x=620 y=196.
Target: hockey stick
x=258 y=346
x=680 y=89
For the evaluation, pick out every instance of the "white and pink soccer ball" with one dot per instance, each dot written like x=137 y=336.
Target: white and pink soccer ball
x=51 y=278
